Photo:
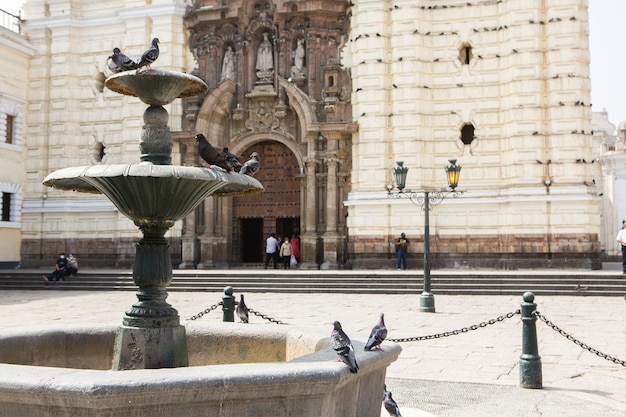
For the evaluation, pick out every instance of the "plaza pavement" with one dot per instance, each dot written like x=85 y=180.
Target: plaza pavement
x=474 y=373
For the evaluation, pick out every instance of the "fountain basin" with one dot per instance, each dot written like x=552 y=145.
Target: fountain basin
x=235 y=369
x=145 y=190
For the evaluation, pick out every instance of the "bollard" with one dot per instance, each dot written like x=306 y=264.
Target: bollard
x=530 y=361
x=228 y=305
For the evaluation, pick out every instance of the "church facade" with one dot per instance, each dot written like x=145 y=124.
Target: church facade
x=331 y=94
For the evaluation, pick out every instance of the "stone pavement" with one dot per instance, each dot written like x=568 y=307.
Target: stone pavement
x=474 y=373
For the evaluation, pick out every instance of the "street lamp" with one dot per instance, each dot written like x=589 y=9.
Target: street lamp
x=426 y=199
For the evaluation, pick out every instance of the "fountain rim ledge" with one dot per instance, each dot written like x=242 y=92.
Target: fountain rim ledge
x=309 y=375
x=74 y=178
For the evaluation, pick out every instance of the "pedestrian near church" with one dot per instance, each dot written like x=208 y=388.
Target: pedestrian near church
x=402 y=245
x=285 y=253
x=621 y=238
x=271 y=250
x=59 y=269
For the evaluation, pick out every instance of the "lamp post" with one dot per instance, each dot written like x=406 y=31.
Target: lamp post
x=426 y=199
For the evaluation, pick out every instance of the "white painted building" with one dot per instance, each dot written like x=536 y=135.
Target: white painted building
x=502 y=86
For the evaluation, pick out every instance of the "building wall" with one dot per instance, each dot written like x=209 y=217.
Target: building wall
x=16 y=52
x=73 y=120
x=526 y=93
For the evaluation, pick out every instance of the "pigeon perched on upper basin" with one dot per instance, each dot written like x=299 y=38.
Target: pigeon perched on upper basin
x=251 y=166
x=150 y=55
x=121 y=62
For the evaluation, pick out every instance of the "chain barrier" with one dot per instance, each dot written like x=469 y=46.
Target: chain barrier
x=208 y=310
x=455 y=332
x=578 y=342
x=263 y=316
x=221 y=303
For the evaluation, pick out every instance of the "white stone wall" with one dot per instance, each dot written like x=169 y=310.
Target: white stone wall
x=16 y=52
x=526 y=91
x=71 y=114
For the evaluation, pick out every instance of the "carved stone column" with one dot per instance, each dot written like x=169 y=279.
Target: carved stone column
x=189 y=242
x=331 y=237
x=207 y=238
x=308 y=241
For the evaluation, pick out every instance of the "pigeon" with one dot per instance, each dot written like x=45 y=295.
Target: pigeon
x=210 y=155
x=121 y=61
x=251 y=166
x=150 y=55
x=377 y=335
x=231 y=160
x=390 y=404
x=343 y=346
x=242 y=310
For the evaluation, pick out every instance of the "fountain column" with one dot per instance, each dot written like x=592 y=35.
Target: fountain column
x=151 y=335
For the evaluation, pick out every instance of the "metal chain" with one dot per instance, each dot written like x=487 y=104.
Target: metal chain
x=455 y=332
x=578 y=342
x=208 y=310
x=263 y=316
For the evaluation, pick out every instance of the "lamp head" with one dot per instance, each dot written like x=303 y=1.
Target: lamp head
x=400 y=172
x=453 y=171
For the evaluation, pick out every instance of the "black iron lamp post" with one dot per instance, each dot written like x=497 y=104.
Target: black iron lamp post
x=426 y=199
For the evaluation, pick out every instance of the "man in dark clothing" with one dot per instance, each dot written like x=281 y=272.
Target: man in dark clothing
x=402 y=247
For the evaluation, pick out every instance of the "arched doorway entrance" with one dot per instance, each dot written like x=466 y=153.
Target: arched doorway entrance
x=276 y=210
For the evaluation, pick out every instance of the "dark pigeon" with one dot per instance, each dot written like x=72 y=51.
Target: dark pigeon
x=377 y=335
x=210 y=155
x=341 y=343
x=242 y=310
x=121 y=61
x=150 y=55
x=390 y=405
x=231 y=160
x=251 y=166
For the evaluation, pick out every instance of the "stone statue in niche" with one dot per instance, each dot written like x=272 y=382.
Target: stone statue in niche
x=297 y=70
x=228 y=65
x=265 y=60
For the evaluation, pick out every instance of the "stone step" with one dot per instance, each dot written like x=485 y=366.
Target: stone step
x=366 y=282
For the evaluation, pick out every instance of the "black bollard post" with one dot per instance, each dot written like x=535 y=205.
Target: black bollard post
x=228 y=305
x=530 y=361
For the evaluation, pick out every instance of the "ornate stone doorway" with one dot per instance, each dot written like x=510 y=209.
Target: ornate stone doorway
x=276 y=210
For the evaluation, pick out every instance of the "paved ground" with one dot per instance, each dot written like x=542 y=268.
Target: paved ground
x=474 y=373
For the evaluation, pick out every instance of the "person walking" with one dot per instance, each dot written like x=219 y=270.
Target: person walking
x=402 y=245
x=621 y=238
x=271 y=250
x=295 y=246
x=285 y=253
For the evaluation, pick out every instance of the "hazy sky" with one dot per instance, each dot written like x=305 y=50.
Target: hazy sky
x=608 y=74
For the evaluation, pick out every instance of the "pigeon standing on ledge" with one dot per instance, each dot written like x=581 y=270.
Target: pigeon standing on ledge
x=121 y=62
x=150 y=55
x=210 y=155
x=251 y=166
x=242 y=310
x=343 y=346
x=378 y=334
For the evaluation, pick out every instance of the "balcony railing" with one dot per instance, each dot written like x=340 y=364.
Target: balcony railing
x=10 y=21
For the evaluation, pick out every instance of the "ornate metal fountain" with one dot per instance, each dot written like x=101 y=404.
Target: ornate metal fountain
x=154 y=194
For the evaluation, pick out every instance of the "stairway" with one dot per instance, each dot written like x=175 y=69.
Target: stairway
x=454 y=282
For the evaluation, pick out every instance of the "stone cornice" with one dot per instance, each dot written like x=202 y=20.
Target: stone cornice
x=16 y=42
x=118 y=17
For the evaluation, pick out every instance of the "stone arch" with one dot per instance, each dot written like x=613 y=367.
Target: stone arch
x=299 y=102
x=244 y=142
x=215 y=112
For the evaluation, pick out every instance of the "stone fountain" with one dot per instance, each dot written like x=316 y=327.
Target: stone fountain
x=152 y=365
